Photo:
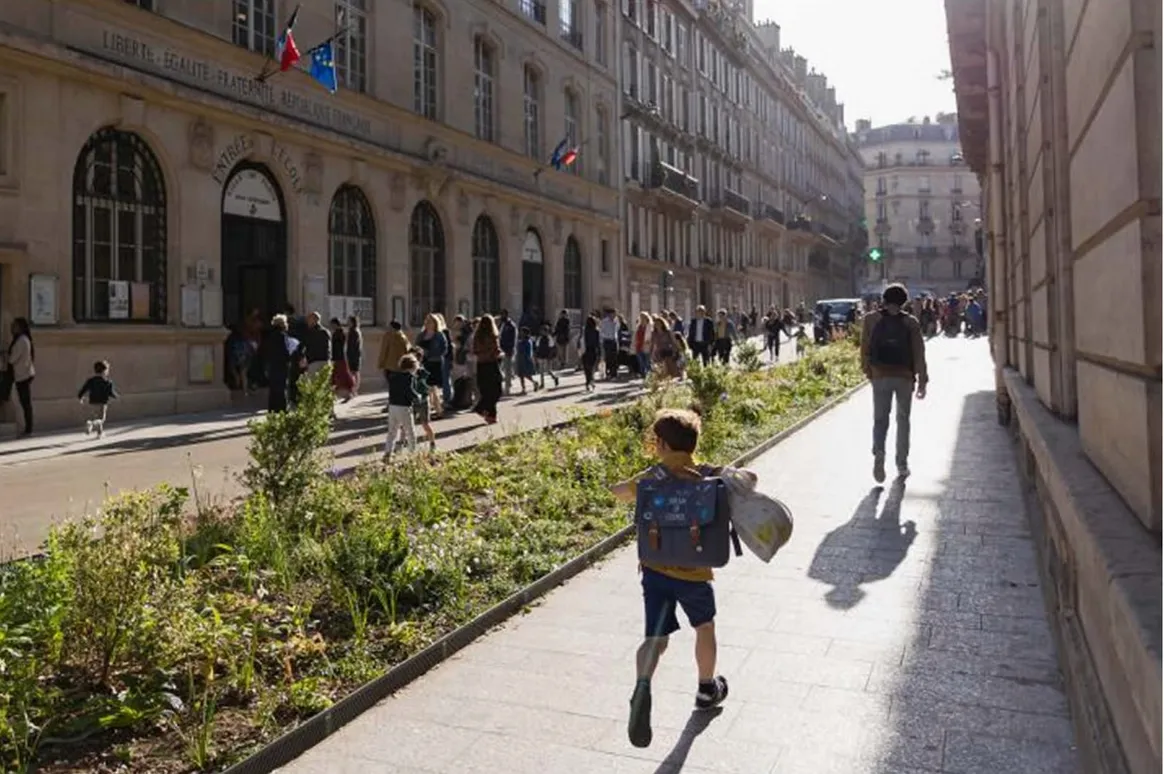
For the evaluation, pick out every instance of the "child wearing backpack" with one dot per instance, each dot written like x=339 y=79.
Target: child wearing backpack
x=667 y=587
x=544 y=353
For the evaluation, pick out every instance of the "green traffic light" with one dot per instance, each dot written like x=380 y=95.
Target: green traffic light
x=874 y=255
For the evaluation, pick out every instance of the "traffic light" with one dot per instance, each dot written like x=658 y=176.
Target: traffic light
x=875 y=254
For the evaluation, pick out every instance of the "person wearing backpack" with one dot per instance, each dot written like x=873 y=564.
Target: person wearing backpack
x=545 y=350
x=893 y=357
x=665 y=585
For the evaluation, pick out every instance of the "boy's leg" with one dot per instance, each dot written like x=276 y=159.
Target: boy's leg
x=410 y=431
x=882 y=402
x=698 y=603
x=660 y=621
x=393 y=429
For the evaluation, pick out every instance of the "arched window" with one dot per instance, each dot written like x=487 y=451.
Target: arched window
x=351 y=234
x=486 y=268
x=426 y=244
x=572 y=275
x=119 y=230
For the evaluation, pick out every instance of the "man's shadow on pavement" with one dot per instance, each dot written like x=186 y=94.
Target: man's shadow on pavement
x=881 y=533
x=697 y=723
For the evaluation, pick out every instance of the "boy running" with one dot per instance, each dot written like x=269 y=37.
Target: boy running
x=99 y=389
x=665 y=588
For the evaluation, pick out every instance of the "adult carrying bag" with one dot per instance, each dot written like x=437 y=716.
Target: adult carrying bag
x=684 y=522
x=891 y=344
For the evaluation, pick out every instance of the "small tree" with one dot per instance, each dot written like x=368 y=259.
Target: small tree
x=284 y=450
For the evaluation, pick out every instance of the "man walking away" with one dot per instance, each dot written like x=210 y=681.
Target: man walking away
x=507 y=333
x=893 y=356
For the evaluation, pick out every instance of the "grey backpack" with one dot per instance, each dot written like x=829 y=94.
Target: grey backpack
x=684 y=522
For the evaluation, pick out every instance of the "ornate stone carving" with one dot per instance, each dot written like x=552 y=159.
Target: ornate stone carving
x=436 y=152
x=397 y=191
x=201 y=145
x=313 y=173
x=463 y=207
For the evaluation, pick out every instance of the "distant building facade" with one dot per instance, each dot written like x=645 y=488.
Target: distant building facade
x=922 y=202
x=1059 y=106
x=740 y=189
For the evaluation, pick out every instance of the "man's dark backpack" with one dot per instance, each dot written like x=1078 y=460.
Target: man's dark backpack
x=684 y=522
x=890 y=344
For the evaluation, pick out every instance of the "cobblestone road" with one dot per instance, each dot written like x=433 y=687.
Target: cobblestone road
x=902 y=631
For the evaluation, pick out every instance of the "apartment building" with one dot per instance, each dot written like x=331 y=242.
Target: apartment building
x=922 y=205
x=1059 y=107
x=154 y=188
x=741 y=188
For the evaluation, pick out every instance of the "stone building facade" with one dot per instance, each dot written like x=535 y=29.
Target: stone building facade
x=1059 y=106
x=154 y=189
x=740 y=184
x=922 y=204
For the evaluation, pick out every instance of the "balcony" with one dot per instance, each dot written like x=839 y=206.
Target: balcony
x=927 y=252
x=767 y=215
x=674 y=186
x=727 y=23
x=830 y=234
x=571 y=35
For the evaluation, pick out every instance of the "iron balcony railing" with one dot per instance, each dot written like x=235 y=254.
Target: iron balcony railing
x=736 y=201
x=674 y=180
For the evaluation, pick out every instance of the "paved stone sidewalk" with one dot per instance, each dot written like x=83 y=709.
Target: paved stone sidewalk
x=58 y=475
x=900 y=632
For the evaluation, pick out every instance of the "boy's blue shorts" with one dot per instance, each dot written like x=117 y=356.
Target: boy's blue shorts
x=662 y=593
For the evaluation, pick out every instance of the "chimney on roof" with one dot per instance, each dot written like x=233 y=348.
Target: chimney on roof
x=864 y=124
x=841 y=113
x=800 y=68
x=769 y=34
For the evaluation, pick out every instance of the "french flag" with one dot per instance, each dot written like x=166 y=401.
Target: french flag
x=285 y=50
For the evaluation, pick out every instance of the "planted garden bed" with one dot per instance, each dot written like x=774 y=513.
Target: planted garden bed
x=173 y=642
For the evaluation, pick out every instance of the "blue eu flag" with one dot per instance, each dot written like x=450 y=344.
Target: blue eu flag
x=323 y=66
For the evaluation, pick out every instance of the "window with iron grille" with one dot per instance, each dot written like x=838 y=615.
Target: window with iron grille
x=532 y=106
x=424 y=62
x=352 y=245
x=486 y=268
x=483 y=89
x=426 y=243
x=600 y=10
x=568 y=23
x=253 y=25
x=351 y=44
x=571 y=128
x=119 y=225
x=534 y=10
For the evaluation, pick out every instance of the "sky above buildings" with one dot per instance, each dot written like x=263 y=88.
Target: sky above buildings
x=883 y=56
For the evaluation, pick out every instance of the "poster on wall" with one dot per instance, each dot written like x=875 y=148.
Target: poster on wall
x=118 y=300
x=361 y=309
x=212 y=307
x=42 y=299
x=200 y=364
x=315 y=294
x=139 y=300
x=191 y=306
x=337 y=309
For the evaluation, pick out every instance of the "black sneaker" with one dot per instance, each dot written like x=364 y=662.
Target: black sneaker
x=638 y=728
x=711 y=694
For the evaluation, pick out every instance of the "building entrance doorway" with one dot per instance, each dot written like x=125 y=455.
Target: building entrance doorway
x=254 y=246
x=533 y=280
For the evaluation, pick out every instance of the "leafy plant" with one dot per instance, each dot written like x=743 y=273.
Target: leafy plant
x=748 y=356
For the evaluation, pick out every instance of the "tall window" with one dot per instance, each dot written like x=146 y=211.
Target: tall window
x=534 y=9
x=351 y=234
x=533 y=108
x=603 y=131
x=483 y=89
x=486 y=268
x=571 y=127
x=600 y=33
x=569 y=28
x=351 y=44
x=119 y=230
x=572 y=275
x=424 y=62
x=253 y=26
x=426 y=246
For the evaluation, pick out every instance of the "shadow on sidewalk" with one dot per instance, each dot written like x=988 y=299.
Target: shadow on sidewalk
x=979 y=688
x=697 y=723
x=883 y=536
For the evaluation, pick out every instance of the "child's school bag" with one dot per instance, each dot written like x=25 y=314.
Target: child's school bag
x=764 y=523
x=684 y=522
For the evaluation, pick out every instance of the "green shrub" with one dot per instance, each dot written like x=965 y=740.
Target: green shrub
x=160 y=627
x=748 y=356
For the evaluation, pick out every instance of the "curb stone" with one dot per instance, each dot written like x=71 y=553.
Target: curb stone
x=314 y=730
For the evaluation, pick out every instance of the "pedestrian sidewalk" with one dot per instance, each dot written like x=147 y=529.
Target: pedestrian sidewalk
x=900 y=632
